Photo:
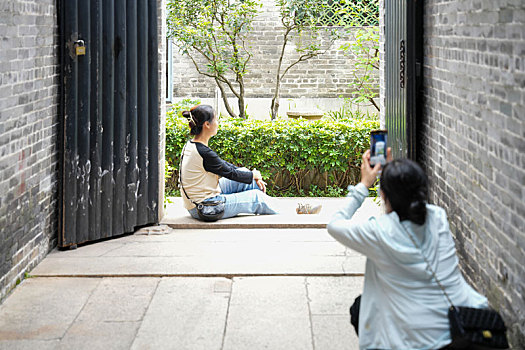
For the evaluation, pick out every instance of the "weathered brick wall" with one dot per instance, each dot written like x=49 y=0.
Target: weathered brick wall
x=326 y=76
x=28 y=136
x=474 y=142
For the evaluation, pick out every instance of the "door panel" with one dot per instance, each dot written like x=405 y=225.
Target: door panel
x=109 y=175
x=403 y=57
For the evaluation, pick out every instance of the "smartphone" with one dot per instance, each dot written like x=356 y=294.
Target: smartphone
x=378 y=146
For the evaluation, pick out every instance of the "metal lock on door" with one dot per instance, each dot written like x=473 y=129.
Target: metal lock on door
x=80 y=48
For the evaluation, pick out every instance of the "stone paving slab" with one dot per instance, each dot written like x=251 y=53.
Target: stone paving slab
x=268 y=313
x=43 y=309
x=90 y=335
x=333 y=332
x=186 y=314
x=177 y=217
x=333 y=295
x=330 y=299
x=24 y=344
x=119 y=300
x=226 y=252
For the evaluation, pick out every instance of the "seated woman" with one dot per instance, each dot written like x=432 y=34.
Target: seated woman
x=204 y=176
x=402 y=306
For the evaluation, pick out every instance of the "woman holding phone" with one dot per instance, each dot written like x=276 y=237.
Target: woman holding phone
x=402 y=306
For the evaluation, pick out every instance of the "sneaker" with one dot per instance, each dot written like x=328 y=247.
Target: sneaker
x=308 y=208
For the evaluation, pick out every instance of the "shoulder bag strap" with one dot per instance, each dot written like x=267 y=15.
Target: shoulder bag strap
x=180 y=174
x=429 y=267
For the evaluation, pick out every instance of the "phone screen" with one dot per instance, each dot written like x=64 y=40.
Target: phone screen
x=378 y=145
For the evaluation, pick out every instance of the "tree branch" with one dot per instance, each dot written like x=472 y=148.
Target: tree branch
x=217 y=76
x=227 y=82
x=248 y=53
x=198 y=69
x=307 y=56
x=301 y=59
x=374 y=103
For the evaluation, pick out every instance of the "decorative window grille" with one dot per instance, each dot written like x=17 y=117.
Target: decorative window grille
x=356 y=13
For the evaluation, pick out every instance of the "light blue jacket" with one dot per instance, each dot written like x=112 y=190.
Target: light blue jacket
x=402 y=306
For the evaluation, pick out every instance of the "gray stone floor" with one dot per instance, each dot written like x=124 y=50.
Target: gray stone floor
x=180 y=313
x=243 y=288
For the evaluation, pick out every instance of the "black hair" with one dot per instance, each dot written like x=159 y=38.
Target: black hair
x=197 y=116
x=404 y=184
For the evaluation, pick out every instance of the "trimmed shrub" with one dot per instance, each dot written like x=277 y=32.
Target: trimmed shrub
x=296 y=157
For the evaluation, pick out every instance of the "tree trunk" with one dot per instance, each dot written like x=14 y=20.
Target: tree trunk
x=240 y=100
x=275 y=99
x=225 y=100
x=275 y=105
x=242 y=112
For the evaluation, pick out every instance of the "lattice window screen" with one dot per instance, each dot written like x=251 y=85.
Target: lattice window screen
x=349 y=13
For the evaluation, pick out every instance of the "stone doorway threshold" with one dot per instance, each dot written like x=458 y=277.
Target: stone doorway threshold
x=177 y=217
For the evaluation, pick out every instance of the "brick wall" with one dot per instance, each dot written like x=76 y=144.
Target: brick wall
x=474 y=142
x=326 y=76
x=28 y=136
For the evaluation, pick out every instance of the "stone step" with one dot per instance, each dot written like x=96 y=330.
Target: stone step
x=178 y=218
x=226 y=253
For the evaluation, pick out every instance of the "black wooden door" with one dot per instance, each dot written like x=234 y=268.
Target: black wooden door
x=403 y=74
x=110 y=120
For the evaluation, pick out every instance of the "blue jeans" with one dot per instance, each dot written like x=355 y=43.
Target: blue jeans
x=240 y=198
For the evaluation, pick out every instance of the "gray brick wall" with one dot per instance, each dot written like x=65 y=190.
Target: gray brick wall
x=326 y=76
x=28 y=136
x=474 y=142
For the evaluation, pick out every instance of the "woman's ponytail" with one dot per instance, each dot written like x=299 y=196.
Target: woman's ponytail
x=191 y=122
x=197 y=116
x=417 y=212
x=187 y=115
x=404 y=184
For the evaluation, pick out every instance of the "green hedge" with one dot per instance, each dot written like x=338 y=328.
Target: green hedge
x=296 y=157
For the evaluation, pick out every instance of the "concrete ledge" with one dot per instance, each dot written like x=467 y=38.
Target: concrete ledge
x=177 y=217
x=207 y=253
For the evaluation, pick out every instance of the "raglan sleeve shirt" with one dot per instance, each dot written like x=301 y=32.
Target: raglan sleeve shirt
x=200 y=170
x=214 y=164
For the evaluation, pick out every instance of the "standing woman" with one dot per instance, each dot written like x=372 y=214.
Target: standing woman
x=204 y=176
x=402 y=306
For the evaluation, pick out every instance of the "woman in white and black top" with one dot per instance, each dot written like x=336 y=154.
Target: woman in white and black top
x=206 y=177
